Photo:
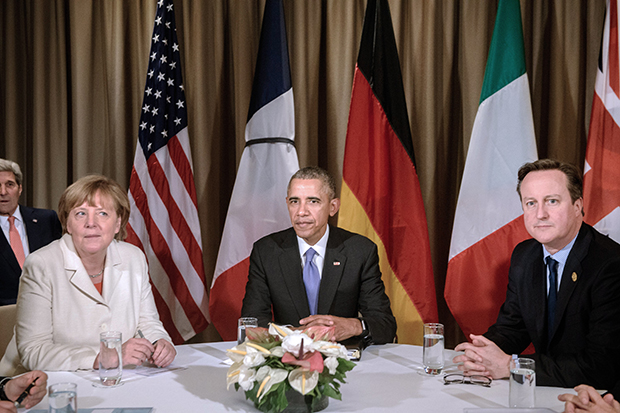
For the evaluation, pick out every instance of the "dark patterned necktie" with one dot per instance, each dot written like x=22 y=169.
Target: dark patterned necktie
x=553 y=294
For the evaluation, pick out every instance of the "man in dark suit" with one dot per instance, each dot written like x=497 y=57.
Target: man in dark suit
x=577 y=340
x=351 y=295
x=28 y=228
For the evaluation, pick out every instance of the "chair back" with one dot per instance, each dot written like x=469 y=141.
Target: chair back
x=8 y=314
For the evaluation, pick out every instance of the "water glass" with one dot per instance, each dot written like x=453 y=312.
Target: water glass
x=62 y=398
x=110 y=358
x=241 y=326
x=522 y=383
x=433 y=348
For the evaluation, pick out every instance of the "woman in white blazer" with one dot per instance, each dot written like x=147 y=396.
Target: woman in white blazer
x=88 y=282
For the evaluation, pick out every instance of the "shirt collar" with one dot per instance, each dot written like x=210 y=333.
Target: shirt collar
x=17 y=214
x=319 y=247
x=562 y=255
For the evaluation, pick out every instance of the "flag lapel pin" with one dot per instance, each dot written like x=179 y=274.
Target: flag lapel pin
x=336 y=262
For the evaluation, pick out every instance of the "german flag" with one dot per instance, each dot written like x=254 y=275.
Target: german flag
x=381 y=195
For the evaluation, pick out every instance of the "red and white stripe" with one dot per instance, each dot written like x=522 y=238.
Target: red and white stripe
x=602 y=165
x=164 y=223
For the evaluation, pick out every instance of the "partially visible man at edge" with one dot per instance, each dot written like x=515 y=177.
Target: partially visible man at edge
x=578 y=339
x=31 y=228
x=348 y=264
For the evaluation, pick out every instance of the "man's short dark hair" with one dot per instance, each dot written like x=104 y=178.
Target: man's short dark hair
x=315 y=172
x=573 y=175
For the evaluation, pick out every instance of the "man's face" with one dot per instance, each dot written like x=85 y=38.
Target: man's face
x=9 y=193
x=550 y=216
x=309 y=208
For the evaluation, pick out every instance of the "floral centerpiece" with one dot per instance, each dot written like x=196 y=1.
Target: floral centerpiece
x=273 y=362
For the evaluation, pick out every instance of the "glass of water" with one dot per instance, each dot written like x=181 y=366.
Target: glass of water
x=62 y=398
x=433 y=348
x=110 y=358
x=242 y=324
x=522 y=383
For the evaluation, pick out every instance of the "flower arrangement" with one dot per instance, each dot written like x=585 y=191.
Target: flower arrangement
x=273 y=361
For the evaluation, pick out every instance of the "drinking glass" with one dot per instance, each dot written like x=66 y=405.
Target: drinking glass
x=433 y=348
x=522 y=383
x=62 y=398
x=110 y=358
x=241 y=326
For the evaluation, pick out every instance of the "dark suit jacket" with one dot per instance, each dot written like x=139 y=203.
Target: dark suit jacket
x=42 y=227
x=585 y=340
x=350 y=282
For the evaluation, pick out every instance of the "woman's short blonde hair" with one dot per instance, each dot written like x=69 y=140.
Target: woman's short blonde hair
x=84 y=190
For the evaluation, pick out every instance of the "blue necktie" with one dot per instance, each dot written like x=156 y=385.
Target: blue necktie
x=312 y=280
x=553 y=294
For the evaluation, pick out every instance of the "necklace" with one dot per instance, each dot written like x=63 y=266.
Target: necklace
x=96 y=275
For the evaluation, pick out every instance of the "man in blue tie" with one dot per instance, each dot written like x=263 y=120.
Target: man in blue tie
x=318 y=274
x=563 y=292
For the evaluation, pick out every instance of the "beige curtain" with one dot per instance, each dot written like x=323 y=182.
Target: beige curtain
x=73 y=74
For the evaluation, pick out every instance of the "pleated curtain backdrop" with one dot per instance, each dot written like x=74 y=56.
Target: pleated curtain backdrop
x=73 y=73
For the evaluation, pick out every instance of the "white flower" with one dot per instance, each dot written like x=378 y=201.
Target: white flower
x=331 y=349
x=278 y=351
x=279 y=331
x=292 y=343
x=233 y=374
x=237 y=353
x=303 y=381
x=253 y=357
x=268 y=376
x=246 y=378
x=331 y=363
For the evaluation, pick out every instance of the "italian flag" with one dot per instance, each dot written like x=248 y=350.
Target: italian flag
x=380 y=195
x=488 y=222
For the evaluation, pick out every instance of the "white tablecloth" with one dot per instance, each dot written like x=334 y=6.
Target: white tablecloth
x=387 y=379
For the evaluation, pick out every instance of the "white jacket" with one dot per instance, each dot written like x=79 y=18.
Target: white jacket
x=60 y=313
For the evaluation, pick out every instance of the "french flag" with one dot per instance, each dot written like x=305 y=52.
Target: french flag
x=257 y=205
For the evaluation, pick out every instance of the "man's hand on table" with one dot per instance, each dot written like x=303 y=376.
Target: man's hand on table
x=587 y=399
x=482 y=357
x=344 y=327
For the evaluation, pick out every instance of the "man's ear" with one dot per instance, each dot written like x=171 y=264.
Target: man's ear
x=334 y=206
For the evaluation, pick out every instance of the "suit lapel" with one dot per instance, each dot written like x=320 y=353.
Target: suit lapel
x=333 y=268
x=7 y=254
x=112 y=274
x=569 y=283
x=75 y=271
x=32 y=228
x=290 y=266
x=539 y=286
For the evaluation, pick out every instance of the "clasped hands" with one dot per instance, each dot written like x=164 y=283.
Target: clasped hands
x=138 y=350
x=343 y=327
x=588 y=400
x=482 y=357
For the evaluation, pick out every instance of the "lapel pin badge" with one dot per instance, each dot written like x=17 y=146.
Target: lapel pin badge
x=574 y=277
x=35 y=220
x=336 y=262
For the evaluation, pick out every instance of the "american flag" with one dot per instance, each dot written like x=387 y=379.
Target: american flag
x=164 y=215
